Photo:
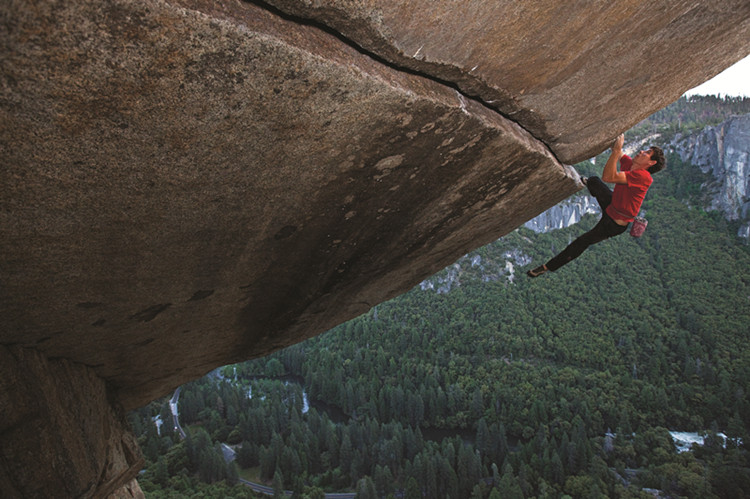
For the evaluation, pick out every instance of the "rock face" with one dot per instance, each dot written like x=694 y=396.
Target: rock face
x=187 y=189
x=190 y=183
x=451 y=278
x=568 y=74
x=130 y=490
x=564 y=214
x=60 y=406
x=724 y=152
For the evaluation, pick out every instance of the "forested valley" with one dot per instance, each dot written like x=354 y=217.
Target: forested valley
x=504 y=387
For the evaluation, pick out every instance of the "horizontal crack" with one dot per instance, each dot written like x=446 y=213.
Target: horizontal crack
x=305 y=21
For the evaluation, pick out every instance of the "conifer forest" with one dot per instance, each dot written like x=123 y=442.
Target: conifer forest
x=570 y=385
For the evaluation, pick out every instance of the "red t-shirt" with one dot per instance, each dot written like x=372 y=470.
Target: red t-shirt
x=627 y=198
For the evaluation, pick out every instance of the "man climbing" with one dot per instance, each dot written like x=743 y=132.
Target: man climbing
x=620 y=207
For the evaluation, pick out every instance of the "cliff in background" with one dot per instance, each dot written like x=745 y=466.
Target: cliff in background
x=724 y=152
x=564 y=214
x=189 y=183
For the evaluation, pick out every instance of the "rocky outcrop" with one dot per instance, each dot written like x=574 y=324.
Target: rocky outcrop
x=130 y=490
x=570 y=74
x=564 y=214
x=190 y=183
x=195 y=187
x=63 y=407
x=475 y=267
x=724 y=152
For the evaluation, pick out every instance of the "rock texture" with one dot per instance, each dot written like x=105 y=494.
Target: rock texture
x=570 y=74
x=486 y=270
x=563 y=214
x=130 y=490
x=62 y=406
x=185 y=189
x=190 y=183
x=724 y=152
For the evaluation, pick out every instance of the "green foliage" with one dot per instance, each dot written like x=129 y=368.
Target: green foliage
x=562 y=386
x=181 y=487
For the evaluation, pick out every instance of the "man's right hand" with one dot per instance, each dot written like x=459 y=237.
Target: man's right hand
x=619 y=142
x=610 y=173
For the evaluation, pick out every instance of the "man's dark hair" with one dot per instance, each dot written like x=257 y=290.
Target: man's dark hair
x=657 y=155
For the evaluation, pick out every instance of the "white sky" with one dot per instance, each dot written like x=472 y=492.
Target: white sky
x=733 y=81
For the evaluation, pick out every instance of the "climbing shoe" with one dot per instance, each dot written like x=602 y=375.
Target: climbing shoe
x=537 y=271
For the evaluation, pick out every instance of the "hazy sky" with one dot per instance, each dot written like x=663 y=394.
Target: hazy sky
x=733 y=81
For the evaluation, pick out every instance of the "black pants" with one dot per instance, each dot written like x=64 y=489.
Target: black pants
x=605 y=229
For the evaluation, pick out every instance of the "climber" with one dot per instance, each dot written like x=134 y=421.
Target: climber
x=620 y=207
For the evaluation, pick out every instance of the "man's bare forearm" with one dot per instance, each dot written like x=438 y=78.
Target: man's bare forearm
x=610 y=173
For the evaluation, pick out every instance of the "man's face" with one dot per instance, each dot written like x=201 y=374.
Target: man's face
x=643 y=159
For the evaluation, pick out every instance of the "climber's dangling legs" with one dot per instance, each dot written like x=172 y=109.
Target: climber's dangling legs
x=605 y=229
x=631 y=181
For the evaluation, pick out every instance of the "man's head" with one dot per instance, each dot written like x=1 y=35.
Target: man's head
x=657 y=155
x=651 y=159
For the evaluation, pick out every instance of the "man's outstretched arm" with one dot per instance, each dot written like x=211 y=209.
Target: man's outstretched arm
x=610 y=173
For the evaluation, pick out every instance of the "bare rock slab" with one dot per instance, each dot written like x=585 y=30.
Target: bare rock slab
x=59 y=435
x=573 y=74
x=189 y=184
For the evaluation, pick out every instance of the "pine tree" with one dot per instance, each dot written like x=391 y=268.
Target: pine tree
x=383 y=480
x=482 y=441
x=509 y=487
x=278 y=484
x=366 y=489
x=412 y=489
